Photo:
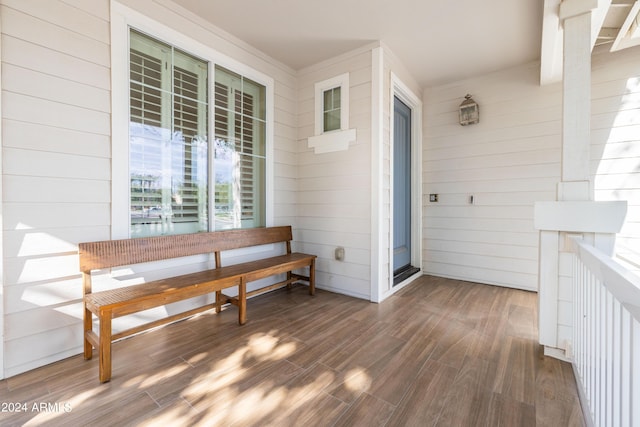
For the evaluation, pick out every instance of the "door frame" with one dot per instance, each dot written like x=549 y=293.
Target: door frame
x=401 y=202
x=406 y=95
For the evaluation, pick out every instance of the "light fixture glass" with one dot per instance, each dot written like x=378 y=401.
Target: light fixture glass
x=469 y=111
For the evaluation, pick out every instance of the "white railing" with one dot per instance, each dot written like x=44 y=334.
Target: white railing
x=606 y=337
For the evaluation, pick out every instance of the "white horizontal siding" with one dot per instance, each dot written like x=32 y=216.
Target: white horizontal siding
x=50 y=295
x=38 y=349
x=84 y=19
x=48 y=61
x=479 y=274
x=45 y=31
x=334 y=190
x=26 y=108
x=56 y=170
x=36 y=189
x=45 y=86
x=512 y=159
x=27 y=242
x=56 y=135
x=98 y=8
x=33 y=216
x=59 y=165
x=506 y=162
x=615 y=137
x=28 y=136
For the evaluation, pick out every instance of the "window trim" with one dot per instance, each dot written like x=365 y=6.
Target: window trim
x=334 y=140
x=122 y=19
x=341 y=81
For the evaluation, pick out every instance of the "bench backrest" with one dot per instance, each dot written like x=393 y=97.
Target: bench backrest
x=114 y=253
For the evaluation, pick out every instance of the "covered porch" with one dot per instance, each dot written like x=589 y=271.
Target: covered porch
x=518 y=251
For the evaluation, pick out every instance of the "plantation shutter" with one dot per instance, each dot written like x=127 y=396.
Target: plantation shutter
x=188 y=126
x=240 y=139
x=146 y=110
x=168 y=144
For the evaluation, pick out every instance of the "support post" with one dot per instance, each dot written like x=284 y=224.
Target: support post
x=576 y=16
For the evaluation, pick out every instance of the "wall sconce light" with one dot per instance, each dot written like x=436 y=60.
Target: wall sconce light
x=469 y=111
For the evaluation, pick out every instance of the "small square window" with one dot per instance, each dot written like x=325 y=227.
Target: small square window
x=332 y=131
x=332 y=104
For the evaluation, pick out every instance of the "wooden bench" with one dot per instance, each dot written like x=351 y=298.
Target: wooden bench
x=112 y=303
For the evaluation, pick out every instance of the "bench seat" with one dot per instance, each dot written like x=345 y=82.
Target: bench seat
x=112 y=303
x=135 y=298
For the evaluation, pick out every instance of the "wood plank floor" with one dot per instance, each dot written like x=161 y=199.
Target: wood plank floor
x=438 y=353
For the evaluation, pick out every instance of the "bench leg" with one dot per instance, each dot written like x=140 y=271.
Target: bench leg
x=289 y=284
x=218 y=301
x=312 y=277
x=242 y=302
x=105 y=347
x=88 y=326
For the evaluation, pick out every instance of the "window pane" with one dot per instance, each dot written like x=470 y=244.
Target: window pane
x=328 y=101
x=240 y=140
x=331 y=120
x=336 y=98
x=167 y=139
x=254 y=136
x=259 y=98
x=239 y=188
x=331 y=110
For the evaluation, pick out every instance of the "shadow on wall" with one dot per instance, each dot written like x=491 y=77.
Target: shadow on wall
x=615 y=136
x=42 y=295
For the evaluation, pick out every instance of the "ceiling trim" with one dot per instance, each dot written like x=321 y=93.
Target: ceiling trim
x=551 y=47
x=627 y=36
x=555 y=11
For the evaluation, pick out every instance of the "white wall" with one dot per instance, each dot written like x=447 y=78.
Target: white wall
x=506 y=162
x=56 y=145
x=512 y=159
x=56 y=112
x=615 y=140
x=334 y=190
x=345 y=196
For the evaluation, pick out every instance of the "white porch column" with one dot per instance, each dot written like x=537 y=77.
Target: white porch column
x=574 y=211
x=575 y=16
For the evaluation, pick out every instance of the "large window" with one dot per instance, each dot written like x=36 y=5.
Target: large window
x=171 y=177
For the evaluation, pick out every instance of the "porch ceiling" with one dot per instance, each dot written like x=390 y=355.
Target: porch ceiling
x=438 y=41
x=615 y=25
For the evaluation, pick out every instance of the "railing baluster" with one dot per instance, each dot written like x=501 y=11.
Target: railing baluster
x=606 y=337
x=616 y=365
x=625 y=356
x=635 y=374
x=600 y=325
x=608 y=407
x=591 y=347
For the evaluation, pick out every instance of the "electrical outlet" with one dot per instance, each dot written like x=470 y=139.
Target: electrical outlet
x=433 y=198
